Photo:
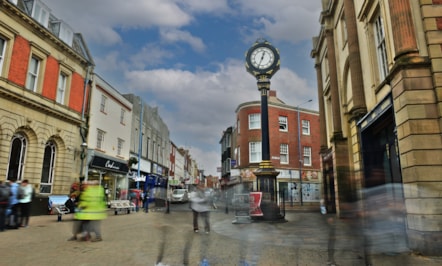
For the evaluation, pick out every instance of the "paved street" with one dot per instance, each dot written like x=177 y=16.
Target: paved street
x=144 y=239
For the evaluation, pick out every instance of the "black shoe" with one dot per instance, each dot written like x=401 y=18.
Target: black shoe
x=12 y=227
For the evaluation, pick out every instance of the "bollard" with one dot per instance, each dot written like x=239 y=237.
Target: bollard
x=59 y=217
x=167 y=206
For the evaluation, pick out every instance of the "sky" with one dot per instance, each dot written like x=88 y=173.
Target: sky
x=187 y=57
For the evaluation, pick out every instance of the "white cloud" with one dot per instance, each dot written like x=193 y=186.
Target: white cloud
x=198 y=107
x=98 y=20
x=174 y=36
x=287 y=20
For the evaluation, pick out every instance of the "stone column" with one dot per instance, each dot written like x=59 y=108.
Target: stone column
x=354 y=58
x=337 y=125
x=322 y=122
x=404 y=36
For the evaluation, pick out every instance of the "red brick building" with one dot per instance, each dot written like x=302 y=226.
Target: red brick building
x=286 y=152
x=44 y=69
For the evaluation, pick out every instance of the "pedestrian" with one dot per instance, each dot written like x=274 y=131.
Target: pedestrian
x=200 y=207
x=13 y=204
x=146 y=201
x=25 y=203
x=79 y=226
x=93 y=208
x=71 y=203
x=4 y=202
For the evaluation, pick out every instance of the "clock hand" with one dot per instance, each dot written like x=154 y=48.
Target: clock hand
x=262 y=58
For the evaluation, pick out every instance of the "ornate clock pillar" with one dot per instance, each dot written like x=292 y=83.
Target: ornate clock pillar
x=262 y=61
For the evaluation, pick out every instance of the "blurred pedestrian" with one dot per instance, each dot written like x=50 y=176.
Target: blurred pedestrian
x=71 y=203
x=80 y=224
x=200 y=207
x=146 y=201
x=4 y=202
x=93 y=208
x=25 y=203
x=13 y=204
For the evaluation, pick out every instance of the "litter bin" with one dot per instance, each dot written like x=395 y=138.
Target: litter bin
x=39 y=205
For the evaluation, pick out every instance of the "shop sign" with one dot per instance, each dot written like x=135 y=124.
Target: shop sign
x=109 y=164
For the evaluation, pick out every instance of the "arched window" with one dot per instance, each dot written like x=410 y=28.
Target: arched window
x=17 y=157
x=47 y=173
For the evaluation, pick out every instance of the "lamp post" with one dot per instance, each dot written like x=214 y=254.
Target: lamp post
x=140 y=143
x=83 y=155
x=301 y=161
x=263 y=61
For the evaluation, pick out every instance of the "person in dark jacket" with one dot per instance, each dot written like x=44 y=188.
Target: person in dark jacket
x=4 y=203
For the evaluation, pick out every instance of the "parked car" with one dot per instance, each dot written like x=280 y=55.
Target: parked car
x=180 y=195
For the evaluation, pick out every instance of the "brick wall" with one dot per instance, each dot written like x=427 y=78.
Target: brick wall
x=76 y=95
x=19 y=61
x=51 y=78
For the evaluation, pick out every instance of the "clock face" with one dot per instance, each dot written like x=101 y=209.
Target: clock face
x=262 y=58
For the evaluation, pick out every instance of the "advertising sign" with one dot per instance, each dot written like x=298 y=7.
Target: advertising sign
x=255 y=204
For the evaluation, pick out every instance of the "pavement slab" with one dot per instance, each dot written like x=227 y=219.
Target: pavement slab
x=157 y=238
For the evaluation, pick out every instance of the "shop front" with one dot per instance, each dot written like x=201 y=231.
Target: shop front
x=111 y=172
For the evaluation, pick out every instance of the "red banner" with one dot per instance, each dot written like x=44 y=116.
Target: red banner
x=255 y=204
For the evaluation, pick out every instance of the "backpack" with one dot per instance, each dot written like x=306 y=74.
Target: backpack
x=4 y=193
x=20 y=193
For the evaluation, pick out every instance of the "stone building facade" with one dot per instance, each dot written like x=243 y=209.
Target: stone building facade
x=379 y=69
x=44 y=68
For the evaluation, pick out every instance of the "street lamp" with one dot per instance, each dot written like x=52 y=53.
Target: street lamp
x=299 y=149
x=140 y=143
x=83 y=155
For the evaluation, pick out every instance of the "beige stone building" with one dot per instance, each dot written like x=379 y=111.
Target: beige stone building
x=379 y=74
x=44 y=69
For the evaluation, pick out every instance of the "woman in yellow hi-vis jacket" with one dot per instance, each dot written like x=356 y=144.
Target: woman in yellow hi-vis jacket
x=91 y=209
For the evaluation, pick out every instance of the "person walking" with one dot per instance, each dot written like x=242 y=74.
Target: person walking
x=93 y=208
x=200 y=207
x=4 y=202
x=13 y=204
x=25 y=203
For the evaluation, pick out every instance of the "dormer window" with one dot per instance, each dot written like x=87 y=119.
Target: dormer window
x=39 y=11
x=62 y=31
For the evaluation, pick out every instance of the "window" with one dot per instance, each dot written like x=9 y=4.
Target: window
x=307 y=156
x=284 y=153
x=381 y=49
x=305 y=127
x=47 y=174
x=2 y=53
x=254 y=121
x=103 y=104
x=344 y=29
x=120 y=146
x=31 y=81
x=283 y=123
x=61 y=87
x=122 y=115
x=40 y=13
x=238 y=126
x=255 y=152
x=100 y=139
x=17 y=157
